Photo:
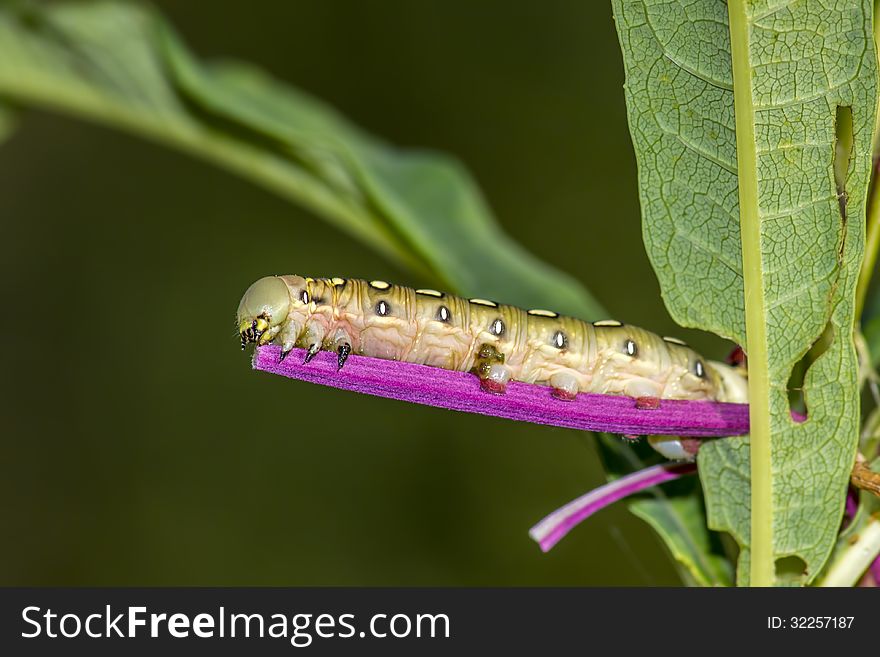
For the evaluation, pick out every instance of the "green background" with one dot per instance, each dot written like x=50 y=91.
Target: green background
x=139 y=448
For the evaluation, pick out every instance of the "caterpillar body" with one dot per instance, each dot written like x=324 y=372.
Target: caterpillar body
x=497 y=342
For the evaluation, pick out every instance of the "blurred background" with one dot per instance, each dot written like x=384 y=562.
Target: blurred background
x=134 y=448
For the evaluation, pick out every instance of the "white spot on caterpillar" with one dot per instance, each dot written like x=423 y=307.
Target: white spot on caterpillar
x=559 y=340
x=680 y=343
x=429 y=293
x=630 y=348
x=382 y=309
x=483 y=302
x=537 y=312
x=497 y=327
x=380 y=285
x=608 y=322
x=337 y=281
x=443 y=314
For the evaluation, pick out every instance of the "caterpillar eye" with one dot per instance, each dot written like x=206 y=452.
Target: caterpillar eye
x=382 y=309
x=304 y=296
x=443 y=314
x=630 y=348
x=700 y=369
x=497 y=328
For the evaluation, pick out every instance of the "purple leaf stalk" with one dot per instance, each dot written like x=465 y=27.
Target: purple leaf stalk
x=461 y=391
x=551 y=529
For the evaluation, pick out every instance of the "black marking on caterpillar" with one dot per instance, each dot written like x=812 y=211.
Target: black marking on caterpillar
x=378 y=319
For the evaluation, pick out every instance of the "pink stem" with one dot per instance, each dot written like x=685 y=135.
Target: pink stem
x=551 y=529
x=527 y=402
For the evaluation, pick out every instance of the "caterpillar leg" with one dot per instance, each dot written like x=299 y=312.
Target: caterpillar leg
x=489 y=366
x=287 y=338
x=342 y=352
x=496 y=380
x=312 y=338
x=342 y=342
x=675 y=448
x=645 y=392
x=647 y=403
x=314 y=348
x=565 y=386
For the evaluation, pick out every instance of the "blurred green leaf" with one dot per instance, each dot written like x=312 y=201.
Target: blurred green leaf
x=680 y=522
x=119 y=63
x=871 y=332
x=704 y=173
x=8 y=121
x=675 y=512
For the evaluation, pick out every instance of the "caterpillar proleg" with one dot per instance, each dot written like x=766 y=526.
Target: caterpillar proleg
x=497 y=342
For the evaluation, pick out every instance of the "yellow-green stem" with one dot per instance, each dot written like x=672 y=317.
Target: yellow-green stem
x=873 y=213
x=761 y=541
x=871 y=245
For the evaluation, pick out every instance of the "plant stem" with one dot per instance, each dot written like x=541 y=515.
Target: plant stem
x=555 y=526
x=855 y=561
x=872 y=243
x=761 y=541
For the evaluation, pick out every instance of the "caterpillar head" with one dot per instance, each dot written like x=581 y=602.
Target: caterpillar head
x=263 y=310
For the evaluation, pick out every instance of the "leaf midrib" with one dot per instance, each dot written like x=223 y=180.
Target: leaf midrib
x=761 y=540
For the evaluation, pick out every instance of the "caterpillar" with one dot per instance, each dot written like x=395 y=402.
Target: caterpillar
x=497 y=342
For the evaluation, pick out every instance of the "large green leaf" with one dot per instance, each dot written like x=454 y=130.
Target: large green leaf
x=733 y=124
x=119 y=63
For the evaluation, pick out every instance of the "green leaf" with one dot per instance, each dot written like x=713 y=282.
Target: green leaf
x=872 y=336
x=8 y=121
x=681 y=524
x=733 y=124
x=675 y=512
x=119 y=63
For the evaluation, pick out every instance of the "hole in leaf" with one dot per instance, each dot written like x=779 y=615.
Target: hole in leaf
x=790 y=570
x=796 y=400
x=843 y=145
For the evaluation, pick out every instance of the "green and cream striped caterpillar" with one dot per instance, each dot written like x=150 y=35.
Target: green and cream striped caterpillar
x=497 y=342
